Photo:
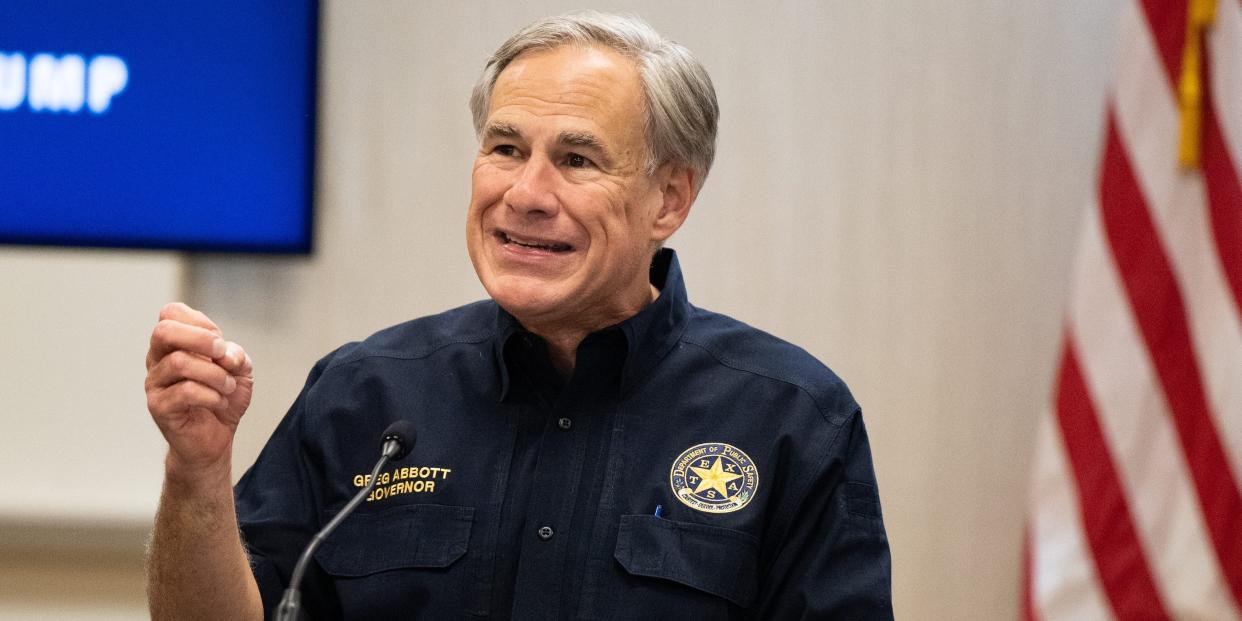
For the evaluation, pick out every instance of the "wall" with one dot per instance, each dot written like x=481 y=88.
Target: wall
x=80 y=459
x=897 y=189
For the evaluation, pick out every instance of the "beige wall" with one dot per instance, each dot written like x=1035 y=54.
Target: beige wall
x=897 y=190
x=79 y=459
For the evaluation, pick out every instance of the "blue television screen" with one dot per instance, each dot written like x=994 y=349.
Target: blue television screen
x=183 y=125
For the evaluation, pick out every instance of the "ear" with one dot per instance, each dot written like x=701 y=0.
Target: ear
x=677 y=188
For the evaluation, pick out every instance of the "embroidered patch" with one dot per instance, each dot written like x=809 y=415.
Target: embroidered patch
x=403 y=480
x=714 y=477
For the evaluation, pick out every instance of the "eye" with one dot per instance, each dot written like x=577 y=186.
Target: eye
x=506 y=150
x=577 y=161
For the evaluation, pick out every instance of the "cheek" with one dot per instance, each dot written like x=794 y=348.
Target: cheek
x=616 y=221
x=487 y=184
x=485 y=192
x=622 y=208
x=639 y=216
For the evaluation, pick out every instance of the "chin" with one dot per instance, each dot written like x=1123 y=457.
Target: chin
x=524 y=296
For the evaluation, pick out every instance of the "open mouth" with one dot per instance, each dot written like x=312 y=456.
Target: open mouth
x=533 y=244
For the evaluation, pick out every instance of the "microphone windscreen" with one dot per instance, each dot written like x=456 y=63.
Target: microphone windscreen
x=403 y=433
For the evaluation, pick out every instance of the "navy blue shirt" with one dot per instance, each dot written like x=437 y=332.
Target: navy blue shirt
x=691 y=467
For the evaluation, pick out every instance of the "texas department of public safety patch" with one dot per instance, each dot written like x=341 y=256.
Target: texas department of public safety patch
x=714 y=477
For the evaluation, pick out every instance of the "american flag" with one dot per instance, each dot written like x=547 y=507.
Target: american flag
x=1136 y=511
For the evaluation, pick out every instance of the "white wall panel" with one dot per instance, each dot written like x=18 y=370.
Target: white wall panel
x=77 y=444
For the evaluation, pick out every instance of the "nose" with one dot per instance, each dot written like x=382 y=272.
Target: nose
x=533 y=192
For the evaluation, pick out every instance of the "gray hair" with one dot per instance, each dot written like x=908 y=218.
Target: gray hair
x=681 y=102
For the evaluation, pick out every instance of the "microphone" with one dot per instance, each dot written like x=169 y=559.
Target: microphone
x=403 y=435
x=398 y=439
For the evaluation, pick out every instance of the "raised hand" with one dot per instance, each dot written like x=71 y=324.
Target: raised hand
x=198 y=387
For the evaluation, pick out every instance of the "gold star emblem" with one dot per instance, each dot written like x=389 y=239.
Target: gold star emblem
x=714 y=477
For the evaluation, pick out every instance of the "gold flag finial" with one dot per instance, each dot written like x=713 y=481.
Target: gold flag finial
x=1199 y=15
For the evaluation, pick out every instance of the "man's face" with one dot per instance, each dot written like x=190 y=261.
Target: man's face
x=562 y=213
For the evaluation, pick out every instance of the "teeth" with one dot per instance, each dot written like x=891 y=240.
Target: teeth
x=527 y=244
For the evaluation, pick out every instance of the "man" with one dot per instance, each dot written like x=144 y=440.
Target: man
x=590 y=445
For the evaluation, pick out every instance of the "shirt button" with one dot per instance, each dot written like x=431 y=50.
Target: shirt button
x=545 y=533
x=564 y=423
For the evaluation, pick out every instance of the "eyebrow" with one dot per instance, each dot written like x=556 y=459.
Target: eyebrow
x=501 y=130
x=587 y=140
x=580 y=139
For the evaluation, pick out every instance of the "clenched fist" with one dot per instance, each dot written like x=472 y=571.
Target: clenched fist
x=198 y=386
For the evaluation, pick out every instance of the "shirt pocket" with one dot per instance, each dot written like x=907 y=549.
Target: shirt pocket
x=408 y=536
x=718 y=561
x=402 y=557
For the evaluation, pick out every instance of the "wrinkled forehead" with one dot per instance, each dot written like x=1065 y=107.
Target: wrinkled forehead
x=590 y=83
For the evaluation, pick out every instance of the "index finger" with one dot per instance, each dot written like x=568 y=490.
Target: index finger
x=170 y=335
x=179 y=311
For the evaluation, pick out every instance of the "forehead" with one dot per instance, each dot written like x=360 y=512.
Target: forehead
x=572 y=85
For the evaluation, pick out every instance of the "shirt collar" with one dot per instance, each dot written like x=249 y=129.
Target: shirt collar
x=649 y=334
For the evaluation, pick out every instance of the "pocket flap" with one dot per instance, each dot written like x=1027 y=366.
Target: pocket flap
x=405 y=536
x=715 y=560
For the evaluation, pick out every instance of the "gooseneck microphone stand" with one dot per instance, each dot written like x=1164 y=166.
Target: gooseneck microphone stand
x=398 y=440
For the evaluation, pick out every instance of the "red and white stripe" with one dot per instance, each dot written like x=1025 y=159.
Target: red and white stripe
x=1136 y=509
